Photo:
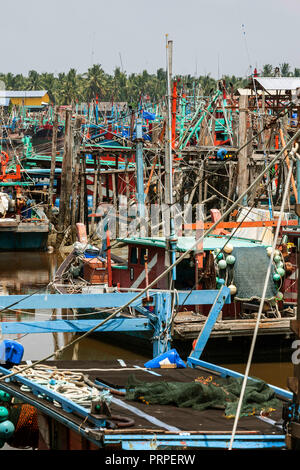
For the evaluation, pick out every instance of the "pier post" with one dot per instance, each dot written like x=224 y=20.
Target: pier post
x=140 y=195
x=53 y=159
x=66 y=183
x=162 y=327
x=242 y=180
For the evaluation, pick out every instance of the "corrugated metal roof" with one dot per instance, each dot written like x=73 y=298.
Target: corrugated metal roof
x=4 y=101
x=278 y=83
x=250 y=91
x=185 y=243
x=22 y=93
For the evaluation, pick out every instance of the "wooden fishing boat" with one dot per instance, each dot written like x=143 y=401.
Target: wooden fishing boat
x=243 y=272
x=111 y=416
x=22 y=226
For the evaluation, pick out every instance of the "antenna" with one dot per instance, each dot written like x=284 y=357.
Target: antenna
x=122 y=69
x=93 y=52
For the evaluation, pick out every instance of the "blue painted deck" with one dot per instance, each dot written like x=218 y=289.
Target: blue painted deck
x=116 y=325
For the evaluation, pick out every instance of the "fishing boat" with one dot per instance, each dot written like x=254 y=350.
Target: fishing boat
x=92 y=405
x=23 y=224
x=238 y=262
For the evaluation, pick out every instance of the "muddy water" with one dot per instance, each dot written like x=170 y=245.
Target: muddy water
x=26 y=273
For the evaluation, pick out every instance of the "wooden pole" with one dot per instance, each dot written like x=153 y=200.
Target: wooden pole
x=287 y=160
x=81 y=199
x=95 y=187
x=242 y=181
x=75 y=181
x=66 y=181
x=53 y=159
x=174 y=104
x=168 y=136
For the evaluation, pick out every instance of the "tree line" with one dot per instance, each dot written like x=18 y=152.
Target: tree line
x=69 y=87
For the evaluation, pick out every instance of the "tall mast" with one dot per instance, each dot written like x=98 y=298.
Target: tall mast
x=169 y=158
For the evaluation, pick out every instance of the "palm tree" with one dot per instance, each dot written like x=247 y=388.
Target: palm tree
x=9 y=81
x=285 y=70
x=95 y=83
x=119 y=85
x=48 y=82
x=267 y=70
x=33 y=80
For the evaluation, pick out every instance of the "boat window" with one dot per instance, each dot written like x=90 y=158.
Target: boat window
x=134 y=255
x=143 y=253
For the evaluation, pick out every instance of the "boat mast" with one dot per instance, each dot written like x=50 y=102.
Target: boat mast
x=169 y=159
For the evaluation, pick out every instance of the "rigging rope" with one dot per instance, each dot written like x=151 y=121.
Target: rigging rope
x=286 y=191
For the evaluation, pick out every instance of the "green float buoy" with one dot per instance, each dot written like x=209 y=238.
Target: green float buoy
x=230 y=259
x=6 y=429
x=3 y=413
x=222 y=264
x=4 y=396
x=276 y=277
x=279 y=296
x=281 y=272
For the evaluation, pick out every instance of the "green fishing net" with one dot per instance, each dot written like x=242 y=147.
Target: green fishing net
x=249 y=273
x=206 y=393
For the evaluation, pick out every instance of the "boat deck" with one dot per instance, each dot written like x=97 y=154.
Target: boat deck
x=188 y=325
x=179 y=427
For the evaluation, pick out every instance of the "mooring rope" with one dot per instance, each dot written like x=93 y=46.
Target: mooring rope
x=286 y=191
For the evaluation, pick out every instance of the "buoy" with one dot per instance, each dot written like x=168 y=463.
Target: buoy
x=228 y=248
x=269 y=250
x=277 y=253
x=3 y=413
x=219 y=256
x=222 y=264
x=276 y=277
x=6 y=429
x=4 y=396
x=281 y=272
x=277 y=259
x=279 y=296
x=232 y=289
x=230 y=259
x=221 y=281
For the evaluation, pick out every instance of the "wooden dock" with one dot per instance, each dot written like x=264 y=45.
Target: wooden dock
x=188 y=326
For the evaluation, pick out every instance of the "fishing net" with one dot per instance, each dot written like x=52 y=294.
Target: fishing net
x=24 y=418
x=204 y=393
x=249 y=273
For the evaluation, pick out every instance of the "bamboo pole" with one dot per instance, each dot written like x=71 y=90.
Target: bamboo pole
x=53 y=159
x=66 y=181
x=287 y=160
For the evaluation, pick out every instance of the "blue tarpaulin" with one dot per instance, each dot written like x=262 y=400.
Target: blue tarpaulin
x=149 y=116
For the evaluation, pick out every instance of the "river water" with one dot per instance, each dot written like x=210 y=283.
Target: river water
x=27 y=273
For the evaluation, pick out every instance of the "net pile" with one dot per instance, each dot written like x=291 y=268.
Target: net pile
x=206 y=393
x=25 y=420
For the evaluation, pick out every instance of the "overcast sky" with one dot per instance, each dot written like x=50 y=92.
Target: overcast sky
x=208 y=36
